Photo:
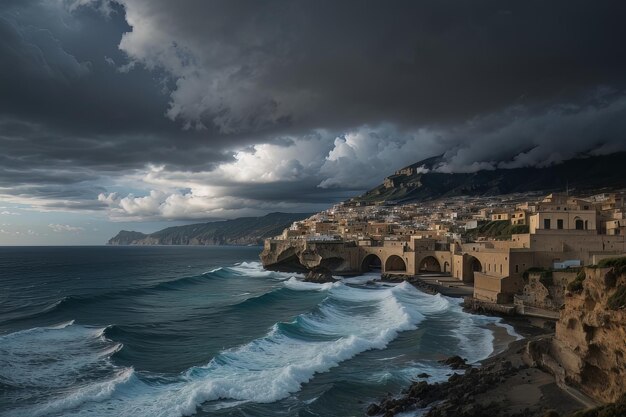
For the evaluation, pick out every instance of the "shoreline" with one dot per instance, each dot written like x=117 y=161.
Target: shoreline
x=505 y=384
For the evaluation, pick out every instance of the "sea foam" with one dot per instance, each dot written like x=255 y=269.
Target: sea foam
x=350 y=320
x=298 y=285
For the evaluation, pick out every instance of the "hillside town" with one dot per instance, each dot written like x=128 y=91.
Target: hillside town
x=499 y=247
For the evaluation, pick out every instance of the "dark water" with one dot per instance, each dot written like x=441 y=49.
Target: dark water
x=172 y=331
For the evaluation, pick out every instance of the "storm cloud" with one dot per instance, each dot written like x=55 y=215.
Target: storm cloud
x=148 y=109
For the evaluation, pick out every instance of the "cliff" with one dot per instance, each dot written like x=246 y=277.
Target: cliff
x=420 y=181
x=588 y=351
x=241 y=231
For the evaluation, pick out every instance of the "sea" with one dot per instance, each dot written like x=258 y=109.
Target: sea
x=206 y=331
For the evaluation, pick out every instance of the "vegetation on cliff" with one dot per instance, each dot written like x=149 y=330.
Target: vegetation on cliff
x=496 y=229
x=618 y=264
x=617 y=301
x=241 y=231
x=576 y=286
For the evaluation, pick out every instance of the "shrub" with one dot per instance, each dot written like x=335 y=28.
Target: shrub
x=618 y=299
x=576 y=286
x=546 y=278
x=618 y=264
x=519 y=229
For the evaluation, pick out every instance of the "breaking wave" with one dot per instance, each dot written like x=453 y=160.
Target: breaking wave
x=347 y=322
x=68 y=370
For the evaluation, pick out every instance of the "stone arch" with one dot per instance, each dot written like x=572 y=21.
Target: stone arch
x=429 y=264
x=395 y=264
x=371 y=263
x=474 y=265
x=580 y=225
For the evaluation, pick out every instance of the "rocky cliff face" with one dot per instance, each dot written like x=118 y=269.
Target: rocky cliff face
x=589 y=346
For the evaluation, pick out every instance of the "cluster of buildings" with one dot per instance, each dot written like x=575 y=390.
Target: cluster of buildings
x=456 y=237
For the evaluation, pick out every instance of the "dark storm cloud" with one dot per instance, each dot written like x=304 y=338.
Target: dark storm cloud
x=62 y=102
x=94 y=90
x=328 y=63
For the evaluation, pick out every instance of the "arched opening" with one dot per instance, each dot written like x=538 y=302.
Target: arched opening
x=371 y=263
x=474 y=266
x=446 y=266
x=395 y=264
x=430 y=264
x=580 y=225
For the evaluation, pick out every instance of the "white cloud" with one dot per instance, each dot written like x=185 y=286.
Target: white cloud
x=363 y=157
x=65 y=228
x=10 y=213
x=351 y=162
x=187 y=205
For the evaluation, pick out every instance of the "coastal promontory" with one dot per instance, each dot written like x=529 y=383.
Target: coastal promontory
x=240 y=231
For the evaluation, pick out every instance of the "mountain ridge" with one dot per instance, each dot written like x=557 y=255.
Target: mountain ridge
x=239 y=231
x=417 y=182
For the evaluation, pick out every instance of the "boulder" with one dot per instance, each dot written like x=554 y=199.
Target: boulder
x=319 y=276
x=456 y=362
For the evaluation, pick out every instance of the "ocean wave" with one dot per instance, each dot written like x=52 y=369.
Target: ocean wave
x=256 y=270
x=69 y=302
x=266 y=369
x=60 y=354
x=94 y=392
x=350 y=320
x=297 y=285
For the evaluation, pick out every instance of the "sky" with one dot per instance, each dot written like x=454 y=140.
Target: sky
x=142 y=114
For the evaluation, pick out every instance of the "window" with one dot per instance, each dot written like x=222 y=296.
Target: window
x=516 y=268
x=546 y=223
x=579 y=224
x=559 y=224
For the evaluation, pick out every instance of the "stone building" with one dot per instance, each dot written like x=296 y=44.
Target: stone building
x=561 y=230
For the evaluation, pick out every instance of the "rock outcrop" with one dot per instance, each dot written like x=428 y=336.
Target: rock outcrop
x=338 y=257
x=320 y=276
x=504 y=386
x=588 y=350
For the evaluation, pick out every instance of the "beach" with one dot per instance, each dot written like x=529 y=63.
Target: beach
x=506 y=384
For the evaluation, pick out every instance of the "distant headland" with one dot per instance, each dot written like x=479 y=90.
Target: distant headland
x=240 y=231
